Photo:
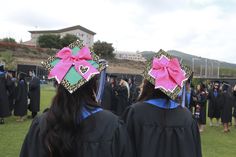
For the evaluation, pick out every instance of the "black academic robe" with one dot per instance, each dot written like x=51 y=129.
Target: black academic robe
x=21 y=99
x=4 y=102
x=133 y=93
x=11 y=93
x=122 y=97
x=226 y=107
x=157 y=132
x=34 y=94
x=107 y=97
x=214 y=105
x=103 y=135
x=234 y=104
x=202 y=102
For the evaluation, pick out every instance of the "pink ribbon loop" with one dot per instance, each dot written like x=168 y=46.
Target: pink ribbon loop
x=167 y=73
x=79 y=61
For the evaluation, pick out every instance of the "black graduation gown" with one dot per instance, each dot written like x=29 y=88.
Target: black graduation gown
x=202 y=102
x=234 y=104
x=157 y=132
x=214 y=105
x=122 y=97
x=4 y=103
x=107 y=97
x=21 y=99
x=34 y=94
x=11 y=93
x=103 y=135
x=226 y=107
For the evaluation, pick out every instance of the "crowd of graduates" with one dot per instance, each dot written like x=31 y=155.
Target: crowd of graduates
x=119 y=93
x=18 y=95
x=221 y=100
x=216 y=100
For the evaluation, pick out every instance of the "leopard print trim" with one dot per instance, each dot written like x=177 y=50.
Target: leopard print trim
x=173 y=95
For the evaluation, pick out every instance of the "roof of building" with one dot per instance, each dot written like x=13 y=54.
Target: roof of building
x=65 y=30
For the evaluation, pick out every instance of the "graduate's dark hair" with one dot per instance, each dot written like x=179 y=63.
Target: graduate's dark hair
x=149 y=92
x=62 y=126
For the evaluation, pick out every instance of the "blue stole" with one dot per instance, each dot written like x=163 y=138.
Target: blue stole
x=215 y=93
x=87 y=113
x=163 y=103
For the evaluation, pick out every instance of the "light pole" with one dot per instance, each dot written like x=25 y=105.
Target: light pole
x=206 y=68
x=193 y=66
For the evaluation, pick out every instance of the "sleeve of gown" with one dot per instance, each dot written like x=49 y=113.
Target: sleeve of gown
x=121 y=144
x=30 y=147
x=34 y=83
x=197 y=139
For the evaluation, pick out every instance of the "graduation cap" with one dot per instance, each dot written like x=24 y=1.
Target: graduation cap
x=171 y=80
x=1 y=67
x=22 y=75
x=225 y=86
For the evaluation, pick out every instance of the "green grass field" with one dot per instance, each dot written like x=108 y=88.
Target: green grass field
x=214 y=142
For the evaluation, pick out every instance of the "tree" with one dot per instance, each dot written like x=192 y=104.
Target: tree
x=68 y=39
x=49 y=41
x=103 y=49
x=8 y=59
x=9 y=40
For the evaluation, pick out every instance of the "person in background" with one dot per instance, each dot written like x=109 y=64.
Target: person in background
x=189 y=103
x=106 y=101
x=214 y=103
x=133 y=91
x=11 y=87
x=226 y=106
x=201 y=102
x=234 y=104
x=34 y=94
x=75 y=125
x=4 y=102
x=20 y=109
x=122 y=96
x=158 y=124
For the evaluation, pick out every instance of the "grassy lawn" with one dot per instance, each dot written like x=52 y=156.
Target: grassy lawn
x=214 y=142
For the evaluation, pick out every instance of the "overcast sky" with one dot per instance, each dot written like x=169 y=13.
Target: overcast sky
x=204 y=28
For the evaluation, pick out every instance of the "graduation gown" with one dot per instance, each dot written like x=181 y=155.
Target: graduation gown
x=226 y=107
x=11 y=93
x=34 y=94
x=214 y=105
x=21 y=99
x=157 y=132
x=234 y=104
x=107 y=97
x=202 y=102
x=122 y=97
x=102 y=135
x=4 y=102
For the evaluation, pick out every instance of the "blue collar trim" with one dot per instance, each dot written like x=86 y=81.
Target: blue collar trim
x=163 y=103
x=87 y=113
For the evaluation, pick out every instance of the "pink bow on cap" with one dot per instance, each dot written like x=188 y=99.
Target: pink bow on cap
x=167 y=73
x=79 y=61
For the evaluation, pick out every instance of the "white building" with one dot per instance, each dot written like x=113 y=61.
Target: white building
x=133 y=56
x=83 y=33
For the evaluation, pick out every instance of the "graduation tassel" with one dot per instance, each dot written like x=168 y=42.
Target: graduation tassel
x=183 y=96
x=102 y=82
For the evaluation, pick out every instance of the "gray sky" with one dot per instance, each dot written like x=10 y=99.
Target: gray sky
x=204 y=28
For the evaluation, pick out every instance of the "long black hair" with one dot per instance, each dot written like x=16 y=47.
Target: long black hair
x=148 y=92
x=62 y=127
